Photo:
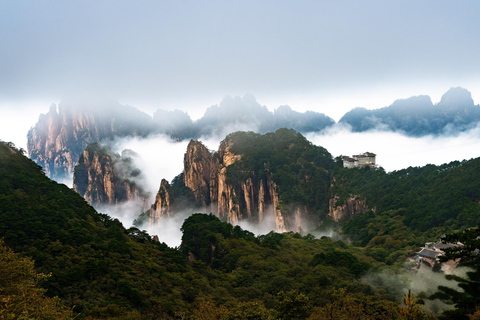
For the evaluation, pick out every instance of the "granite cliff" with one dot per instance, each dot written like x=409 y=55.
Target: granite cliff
x=347 y=209
x=104 y=178
x=278 y=178
x=163 y=205
x=60 y=136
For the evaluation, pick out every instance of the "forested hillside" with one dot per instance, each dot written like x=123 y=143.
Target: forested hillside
x=411 y=206
x=102 y=270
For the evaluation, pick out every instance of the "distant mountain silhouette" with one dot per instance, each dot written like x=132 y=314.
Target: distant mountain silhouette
x=234 y=113
x=418 y=116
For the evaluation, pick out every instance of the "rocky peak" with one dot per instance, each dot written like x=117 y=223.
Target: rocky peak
x=457 y=98
x=250 y=198
x=162 y=206
x=226 y=155
x=103 y=177
x=59 y=138
x=197 y=169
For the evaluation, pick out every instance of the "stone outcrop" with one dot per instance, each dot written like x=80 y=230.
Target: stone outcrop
x=162 y=206
x=351 y=207
x=103 y=177
x=205 y=173
x=197 y=170
x=59 y=137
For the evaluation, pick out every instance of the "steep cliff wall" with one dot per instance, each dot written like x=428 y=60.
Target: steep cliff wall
x=162 y=207
x=349 y=208
x=59 y=138
x=205 y=173
x=278 y=179
x=103 y=177
x=197 y=169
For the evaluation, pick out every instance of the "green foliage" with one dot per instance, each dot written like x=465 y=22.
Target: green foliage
x=93 y=261
x=292 y=305
x=412 y=206
x=106 y=271
x=443 y=196
x=338 y=258
x=299 y=168
x=203 y=234
x=265 y=265
x=468 y=298
x=344 y=305
x=20 y=298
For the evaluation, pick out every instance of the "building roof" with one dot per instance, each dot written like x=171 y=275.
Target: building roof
x=348 y=159
x=365 y=155
x=439 y=245
x=427 y=253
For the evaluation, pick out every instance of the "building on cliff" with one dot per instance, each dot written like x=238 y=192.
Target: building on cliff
x=362 y=160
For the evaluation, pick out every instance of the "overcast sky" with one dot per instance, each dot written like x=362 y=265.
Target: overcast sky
x=325 y=56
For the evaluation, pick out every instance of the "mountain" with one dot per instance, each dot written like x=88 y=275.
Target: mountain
x=246 y=113
x=418 y=116
x=278 y=179
x=103 y=271
x=87 y=254
x=60 y=137
x=282 y=181
x=104 y=177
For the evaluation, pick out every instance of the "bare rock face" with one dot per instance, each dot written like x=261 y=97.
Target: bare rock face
x=279 y=180
x=59 y=138
x=103 y=177
x=197 y=168
x=163 y=203
x=351 y=207
x=206 y=175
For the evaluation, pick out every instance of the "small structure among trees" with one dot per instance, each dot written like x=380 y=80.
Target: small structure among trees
x=431 y=254
x=366 y=159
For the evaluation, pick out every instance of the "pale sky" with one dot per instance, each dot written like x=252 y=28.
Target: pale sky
x=324 y=56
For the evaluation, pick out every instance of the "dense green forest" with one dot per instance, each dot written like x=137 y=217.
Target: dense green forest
x=412 y=206
x=98 y=269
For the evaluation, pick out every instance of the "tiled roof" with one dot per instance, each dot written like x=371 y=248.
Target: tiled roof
x=427 y=253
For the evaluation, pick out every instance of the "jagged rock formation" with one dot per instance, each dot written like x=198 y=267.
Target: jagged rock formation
x=162 y=207
x=197 y=170
x=206 y=175
x=349 y=208
x=59 y=138
x=249 y=178
x=103 y=177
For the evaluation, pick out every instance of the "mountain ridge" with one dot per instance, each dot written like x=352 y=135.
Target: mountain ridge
x=58 y=139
